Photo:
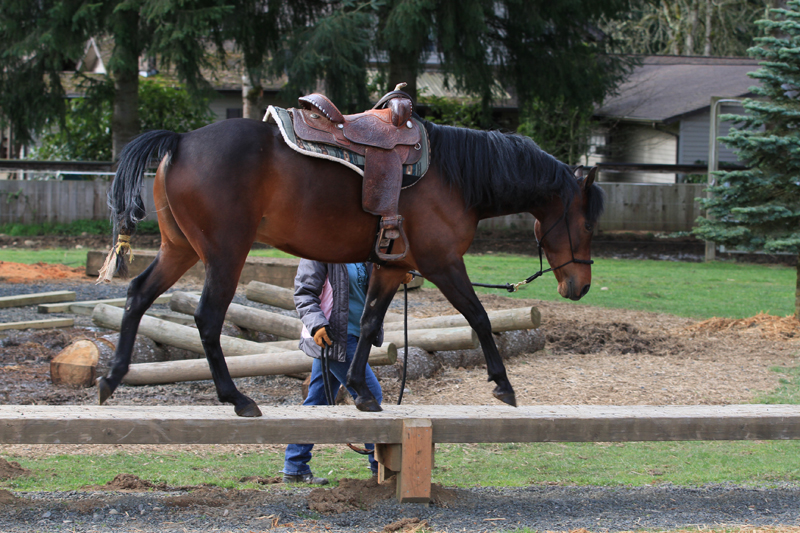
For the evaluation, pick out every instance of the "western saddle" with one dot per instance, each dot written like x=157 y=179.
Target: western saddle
x=386 y=136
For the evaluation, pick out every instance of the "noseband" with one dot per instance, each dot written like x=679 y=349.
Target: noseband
x=513 y=287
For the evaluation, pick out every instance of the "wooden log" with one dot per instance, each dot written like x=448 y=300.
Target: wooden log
x=36 y=298
x=76 y=365
x=502 y=320
x=270 y=294
x=243 y=316
x=184 y=337
x=80 y=307
x=264 y=364
x=39 y=324
x=434 y=340
x=189 y=339
x=283 y=298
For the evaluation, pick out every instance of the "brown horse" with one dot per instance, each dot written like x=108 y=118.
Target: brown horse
x=222 y=187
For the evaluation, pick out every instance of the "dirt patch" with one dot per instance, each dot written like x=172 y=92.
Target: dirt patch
x=11 y=470
x=129 y=483
x=407 y=525
x=261 y=480
x=353 y=494
x=767 y=326
x=22 y=273
x=8 y=498
x=572 y=336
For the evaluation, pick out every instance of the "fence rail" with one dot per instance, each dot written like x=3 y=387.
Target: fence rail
x=629 y=206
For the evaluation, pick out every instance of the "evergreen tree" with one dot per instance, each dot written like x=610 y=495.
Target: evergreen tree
x=39 y=40
x=537 y=49
x=759 y=208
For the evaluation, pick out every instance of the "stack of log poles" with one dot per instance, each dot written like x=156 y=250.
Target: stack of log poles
x=247 y=358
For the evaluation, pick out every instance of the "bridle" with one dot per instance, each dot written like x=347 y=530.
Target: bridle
x=513 y=287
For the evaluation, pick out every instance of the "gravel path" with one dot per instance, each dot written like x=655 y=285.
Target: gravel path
x=477 y=509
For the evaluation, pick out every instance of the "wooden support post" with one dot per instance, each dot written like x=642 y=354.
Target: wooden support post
x=411 y=461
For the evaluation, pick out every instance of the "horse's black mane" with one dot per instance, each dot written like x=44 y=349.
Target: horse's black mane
x=503 y=171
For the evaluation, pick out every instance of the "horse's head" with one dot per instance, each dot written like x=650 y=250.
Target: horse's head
x=565 y=235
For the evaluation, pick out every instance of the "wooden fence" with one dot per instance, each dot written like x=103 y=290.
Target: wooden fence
x=629 y=206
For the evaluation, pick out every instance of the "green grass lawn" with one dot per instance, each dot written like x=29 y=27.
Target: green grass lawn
x=501 y=465
x=697 y=290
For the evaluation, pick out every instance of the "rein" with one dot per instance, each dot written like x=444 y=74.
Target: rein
x=513 y=287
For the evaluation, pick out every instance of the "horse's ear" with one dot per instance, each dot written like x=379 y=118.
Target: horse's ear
x=590 y=178
x=578 y=172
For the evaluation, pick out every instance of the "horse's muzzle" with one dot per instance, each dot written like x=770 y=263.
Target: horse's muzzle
x=569 y=290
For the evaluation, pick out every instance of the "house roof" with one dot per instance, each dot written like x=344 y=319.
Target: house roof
x=665 y=88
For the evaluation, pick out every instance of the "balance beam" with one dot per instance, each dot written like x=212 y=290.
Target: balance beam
x=405 y=436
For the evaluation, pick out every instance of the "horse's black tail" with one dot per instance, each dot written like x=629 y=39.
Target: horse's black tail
x=125 y=195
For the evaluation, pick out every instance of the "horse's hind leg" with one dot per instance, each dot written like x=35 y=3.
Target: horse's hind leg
x=169 y=265
x=455 y=285
x=222 y=276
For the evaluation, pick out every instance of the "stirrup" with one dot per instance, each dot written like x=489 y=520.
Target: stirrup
x=391 y=228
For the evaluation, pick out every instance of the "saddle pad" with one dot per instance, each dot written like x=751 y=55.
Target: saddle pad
x=352 y=160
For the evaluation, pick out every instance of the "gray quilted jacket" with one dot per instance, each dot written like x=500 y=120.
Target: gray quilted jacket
x=308 y=286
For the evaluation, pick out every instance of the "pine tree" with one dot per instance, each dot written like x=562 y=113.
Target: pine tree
x=536 y=49
x=39 y=40
x=759 y=208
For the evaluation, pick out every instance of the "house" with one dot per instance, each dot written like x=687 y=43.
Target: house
x=661 y=113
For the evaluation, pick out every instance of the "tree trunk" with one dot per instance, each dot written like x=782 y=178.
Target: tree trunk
x=694 y=18
x=709 y=19
x=125 y=117
x=125 y=70
x=252 y=98
x=403 y=67
x=797 y=291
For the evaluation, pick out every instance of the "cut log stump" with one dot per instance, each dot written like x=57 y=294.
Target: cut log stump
x=76 y=365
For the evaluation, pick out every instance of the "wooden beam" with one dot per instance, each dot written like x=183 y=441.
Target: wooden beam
x=73 y=424
x=56 y=166
x=79 y=307
x=39 y=324
x=36 y=298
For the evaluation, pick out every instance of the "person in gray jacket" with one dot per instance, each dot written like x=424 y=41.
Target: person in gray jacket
x=330 y=300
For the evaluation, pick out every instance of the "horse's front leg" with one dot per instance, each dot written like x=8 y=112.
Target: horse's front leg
x=382 y=288
x=454 y=283
x=222 y=276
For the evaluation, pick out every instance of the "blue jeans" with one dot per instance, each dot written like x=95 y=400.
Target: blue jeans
x=298 y=455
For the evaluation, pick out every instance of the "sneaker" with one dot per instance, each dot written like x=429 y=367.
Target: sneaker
x=305 y=478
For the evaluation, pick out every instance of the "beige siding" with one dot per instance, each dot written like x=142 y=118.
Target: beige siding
x=634 y=143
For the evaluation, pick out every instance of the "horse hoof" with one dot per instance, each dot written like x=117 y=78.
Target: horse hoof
x=506 y=397
x=250 y=410
x=370 y=406
x=104 y=390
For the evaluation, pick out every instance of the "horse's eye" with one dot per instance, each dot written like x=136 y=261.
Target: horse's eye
x=588 y=226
